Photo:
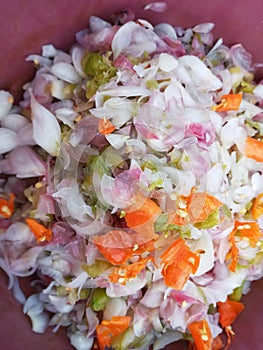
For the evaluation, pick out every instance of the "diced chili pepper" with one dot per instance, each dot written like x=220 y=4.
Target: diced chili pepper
x=107 y=330
x=105 y=127
x=202 y=335
x=7 y=206
x=41 y=233
x=254 y=149
x=179 y=262
x=229 y=102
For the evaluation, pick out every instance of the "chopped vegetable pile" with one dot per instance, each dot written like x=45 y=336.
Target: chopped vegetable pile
x=132 y=186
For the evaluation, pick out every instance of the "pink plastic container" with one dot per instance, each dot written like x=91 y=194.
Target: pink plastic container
x=26 y=25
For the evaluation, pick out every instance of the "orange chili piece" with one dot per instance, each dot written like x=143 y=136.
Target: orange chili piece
x=108 y=330
x=124 y=273
x=202 y=335
x=41 y=233
x=179 y=262
x=202 y=205
x=254 y=149
x=146 y=210
x=233 y=253
x=228 y=311
x=105 y=127
x=229 y=102
x=257 y=207
x=247 y=229
x=195 y=208
x=7 y=207
x=118 y=245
